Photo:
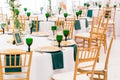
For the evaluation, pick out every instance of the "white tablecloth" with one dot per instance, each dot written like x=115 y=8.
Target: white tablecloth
x=41 y=67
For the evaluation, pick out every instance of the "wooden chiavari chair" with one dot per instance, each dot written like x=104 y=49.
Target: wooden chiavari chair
x=95 y=37
x=83 y=57
x=69 y=25
x=60 y=22
x=35 y=20
x=101 y=68
x=111 y=23
x=22 y=21
x=15 y=64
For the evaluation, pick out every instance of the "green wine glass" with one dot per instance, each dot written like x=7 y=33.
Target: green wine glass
x=25 y=9
x=29 y=41
x=47 y=15
x=77 y=14
x=59 y=39
x=28 y=14
x=65 y=15
x=99 y=6
x=54 y=28
x=80 y=12
x=66 y=33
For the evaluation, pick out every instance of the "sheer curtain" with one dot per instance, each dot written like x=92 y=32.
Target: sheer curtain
x=34 y=5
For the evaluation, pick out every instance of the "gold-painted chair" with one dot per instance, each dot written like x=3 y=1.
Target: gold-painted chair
x=83 y=57
x=101 y=68
x=95 y=37
x=15 y=64
x=22 y=21
x=35 y=20
x=69 y=25
x=111 y=24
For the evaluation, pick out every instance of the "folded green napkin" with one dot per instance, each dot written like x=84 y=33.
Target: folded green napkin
x=89 y=13
x=77 y=25
x=75 y=50
x=34 y=26
x=57 y=59
x=18 y=69
x=86 y=23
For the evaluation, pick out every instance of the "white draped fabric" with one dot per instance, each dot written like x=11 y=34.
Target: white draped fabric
x=34 y=5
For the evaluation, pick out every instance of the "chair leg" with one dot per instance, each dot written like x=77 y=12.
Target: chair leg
x=114 y=31
x=105 y=76
x=105 y=44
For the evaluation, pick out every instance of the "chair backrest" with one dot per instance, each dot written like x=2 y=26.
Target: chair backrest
x=98 y=31
x=111 y=11
x=96 y=20
x=86 y=58
x=22 y=20
x=70 y=19
x=100 y=12
x=59 y=21
x=16 y=63
x=69 y=25
x=84 y=11
x=35 y=20
x=108 y=53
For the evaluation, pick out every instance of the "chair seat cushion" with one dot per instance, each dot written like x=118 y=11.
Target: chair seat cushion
x=69 y=76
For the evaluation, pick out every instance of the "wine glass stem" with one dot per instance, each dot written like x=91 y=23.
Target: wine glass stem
x=28 y=48
x=30 y=30
x=65 y=19
x=65 y=38
x=3 y=30
x=53 y=33
x=58 y=44
x=47 y=19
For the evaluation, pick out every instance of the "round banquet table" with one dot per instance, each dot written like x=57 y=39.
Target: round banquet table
x=41 y=66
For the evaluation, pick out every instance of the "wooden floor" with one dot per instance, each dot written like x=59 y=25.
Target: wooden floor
x=114 y=60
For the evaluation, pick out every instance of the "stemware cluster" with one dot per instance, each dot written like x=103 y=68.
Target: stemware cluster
x=59 y=37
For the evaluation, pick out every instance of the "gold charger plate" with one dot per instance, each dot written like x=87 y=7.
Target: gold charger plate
x=48 y=49
x=40 y=34
x=64 y=43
